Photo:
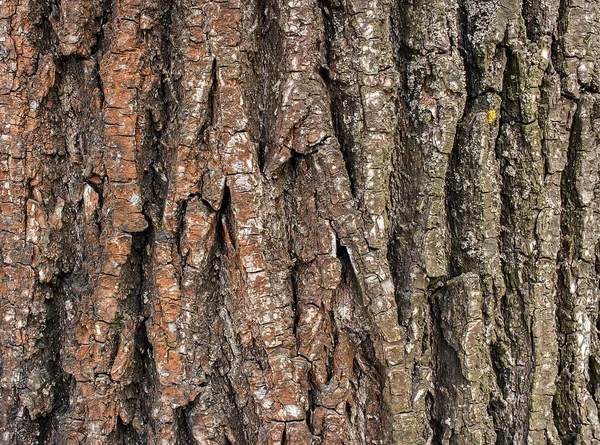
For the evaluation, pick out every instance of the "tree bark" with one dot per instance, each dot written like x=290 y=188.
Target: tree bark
x=305 y=222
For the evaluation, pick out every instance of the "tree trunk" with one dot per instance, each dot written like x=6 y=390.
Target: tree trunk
x=306 y=222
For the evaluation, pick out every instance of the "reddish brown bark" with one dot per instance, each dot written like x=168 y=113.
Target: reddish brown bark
x=305 y=222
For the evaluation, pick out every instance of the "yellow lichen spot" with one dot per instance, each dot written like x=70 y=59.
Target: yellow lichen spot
x=491 y=116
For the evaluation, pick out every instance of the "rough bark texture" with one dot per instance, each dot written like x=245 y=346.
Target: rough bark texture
x=299 y=222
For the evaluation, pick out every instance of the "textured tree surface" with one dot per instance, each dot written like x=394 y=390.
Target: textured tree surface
x=299 y=222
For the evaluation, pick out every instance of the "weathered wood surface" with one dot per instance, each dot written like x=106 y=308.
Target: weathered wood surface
x=305 y=222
